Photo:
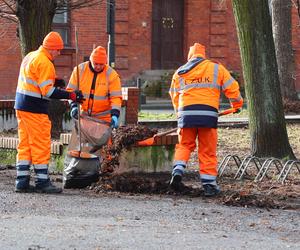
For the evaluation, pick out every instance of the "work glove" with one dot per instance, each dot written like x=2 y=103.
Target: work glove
x=74 y=112
x=114 y=121
x=77 y=96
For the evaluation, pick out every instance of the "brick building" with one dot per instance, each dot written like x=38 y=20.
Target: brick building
x=152 y=34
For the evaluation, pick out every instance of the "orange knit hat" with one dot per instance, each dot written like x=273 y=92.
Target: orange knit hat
x=197 y=50
x=53 y=41
x=98 y=55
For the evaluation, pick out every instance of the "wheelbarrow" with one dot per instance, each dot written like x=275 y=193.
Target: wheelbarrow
x=154 y=154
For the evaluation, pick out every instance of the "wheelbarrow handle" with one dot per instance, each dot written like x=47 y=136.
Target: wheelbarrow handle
x=166 y=132
x=229 y=111
x=224 y=112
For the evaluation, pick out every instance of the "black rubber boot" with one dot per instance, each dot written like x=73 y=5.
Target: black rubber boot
x=211 y=190
x=23 y=179
x=48 y=188
x=28 y=189
x=175 y=182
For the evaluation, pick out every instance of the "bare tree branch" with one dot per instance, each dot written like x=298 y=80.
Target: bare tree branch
x=9 y=17
x=8 y=7
x=296 y=4
x=77 y=4
x=11 y=5
x=8 y=10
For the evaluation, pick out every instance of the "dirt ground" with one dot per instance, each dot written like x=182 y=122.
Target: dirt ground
x=267 y=194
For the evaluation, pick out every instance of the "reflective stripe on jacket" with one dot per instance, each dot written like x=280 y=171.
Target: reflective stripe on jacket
x=107 y=94
x=35 y=83
x=195 y=92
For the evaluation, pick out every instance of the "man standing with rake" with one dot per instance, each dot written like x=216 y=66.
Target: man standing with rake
x=195 y=92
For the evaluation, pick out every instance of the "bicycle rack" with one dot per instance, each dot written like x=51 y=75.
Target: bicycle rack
x=266 y=166
x=245 y=164
x=287 y=168
x=263 y=165
x=226 y=160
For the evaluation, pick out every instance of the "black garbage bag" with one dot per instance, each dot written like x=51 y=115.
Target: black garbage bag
x=80 y=172
x=84 y=169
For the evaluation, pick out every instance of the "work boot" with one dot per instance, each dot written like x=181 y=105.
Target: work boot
x=176 y=181
x=177 y=174
x=211 y=190
x=42 y=181
x=28 y=189
x=23 y=179
x=48 y=188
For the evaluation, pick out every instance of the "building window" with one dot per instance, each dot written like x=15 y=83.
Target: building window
x=61 y=24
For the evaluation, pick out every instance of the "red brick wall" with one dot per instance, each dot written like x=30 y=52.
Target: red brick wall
x=215 y=29
x=133 y=37
x=207 y=22
x=10 y=59
x=91 y=31
x=131 y=97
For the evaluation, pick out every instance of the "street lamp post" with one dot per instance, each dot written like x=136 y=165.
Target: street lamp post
x=110 y=29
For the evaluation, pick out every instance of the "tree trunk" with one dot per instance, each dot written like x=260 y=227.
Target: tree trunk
x=281 y=11
x=57 y=110
x=35 y=20
x=266 y=118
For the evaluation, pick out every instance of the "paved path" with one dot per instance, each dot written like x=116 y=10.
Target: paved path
x=81 y=220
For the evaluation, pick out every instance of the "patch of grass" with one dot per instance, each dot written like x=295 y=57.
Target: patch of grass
x=8 y=157
x=156 y=116
x=58 y=161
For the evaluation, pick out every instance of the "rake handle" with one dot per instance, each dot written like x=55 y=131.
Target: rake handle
x=224 y=112
x=77 y=76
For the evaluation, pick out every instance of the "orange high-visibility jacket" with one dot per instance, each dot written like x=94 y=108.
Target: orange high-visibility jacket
x=195 y=92
x=106 y=100
x=35 y=83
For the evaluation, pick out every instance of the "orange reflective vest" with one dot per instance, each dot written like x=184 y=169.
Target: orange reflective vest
x=35 y=83
x=106 y=98
x=195 y=92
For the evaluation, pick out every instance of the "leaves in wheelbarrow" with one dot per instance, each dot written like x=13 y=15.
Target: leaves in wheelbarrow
x=123 y=137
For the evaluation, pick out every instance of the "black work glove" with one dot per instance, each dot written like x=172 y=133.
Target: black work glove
x=77 y=96
x=59 y=83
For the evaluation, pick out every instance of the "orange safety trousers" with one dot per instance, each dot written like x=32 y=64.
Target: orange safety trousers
x=207 y=148
x=34 y=132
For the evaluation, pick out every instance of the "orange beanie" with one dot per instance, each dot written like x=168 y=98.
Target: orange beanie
x=196 y=50
x=53 y=41
x=98 y=55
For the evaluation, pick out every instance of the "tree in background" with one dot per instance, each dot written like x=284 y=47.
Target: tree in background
x=266 y=117
x=281 y=13
x=35 y=18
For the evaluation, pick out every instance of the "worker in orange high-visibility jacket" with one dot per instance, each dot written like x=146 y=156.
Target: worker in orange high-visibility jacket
x=195 y=92
x=36 y=86
x=101 y=87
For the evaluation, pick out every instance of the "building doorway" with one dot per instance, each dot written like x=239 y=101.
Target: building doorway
x=167 y=34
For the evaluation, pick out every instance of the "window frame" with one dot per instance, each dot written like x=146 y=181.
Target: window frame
x=65 y=26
